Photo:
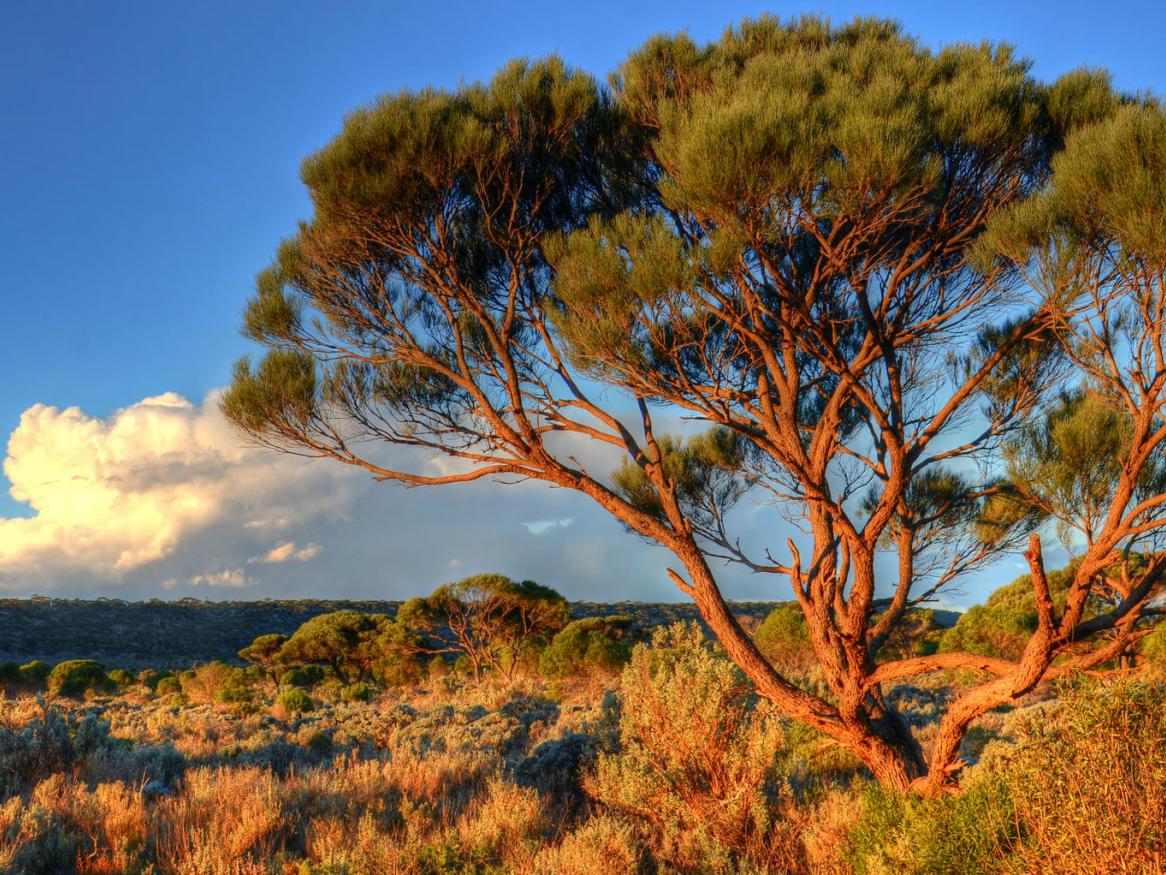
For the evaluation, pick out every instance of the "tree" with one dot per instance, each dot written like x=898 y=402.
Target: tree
x=488 y=618
x=264 y=652
x=863 y=265
x=346 y=641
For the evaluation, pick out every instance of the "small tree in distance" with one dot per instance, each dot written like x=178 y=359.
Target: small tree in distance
x=348 y=642
x=863 y=265
x=264 y=652
x=488 y=618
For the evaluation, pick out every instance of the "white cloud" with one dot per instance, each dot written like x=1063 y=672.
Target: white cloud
x=234 y=578
x=541 y=527
x=111 y=495
x=287 y=552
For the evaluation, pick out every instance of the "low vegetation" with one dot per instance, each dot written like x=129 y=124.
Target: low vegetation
x=348 y=747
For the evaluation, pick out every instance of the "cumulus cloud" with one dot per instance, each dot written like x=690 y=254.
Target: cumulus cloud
x=110 y=495
x=160 y=498
x=287 y=552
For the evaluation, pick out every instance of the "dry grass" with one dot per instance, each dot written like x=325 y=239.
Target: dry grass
x=683 y=779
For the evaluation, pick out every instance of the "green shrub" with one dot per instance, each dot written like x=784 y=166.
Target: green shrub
x=783 y=640
x=588 y=646
x=235 y=690
x=357 y=692
x=462 y=667
x=167 y=685
x=302 y=676
x=1153 y=650
x=319 y=742
x=121 y=677
x=295 y=701
x=35 y=673
x=74 y=677
x=437 y=668
x=971 y=833
x=397 y=670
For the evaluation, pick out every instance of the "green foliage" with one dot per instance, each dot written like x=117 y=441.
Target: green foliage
x=348 y=642
x=593 y=645
x=355 y=693
x=303 y=677
x=1153 y=649
x=437 y=667
x=1069 y=462
x=121 y=677
x=1078 y=791
x=9 y=672
x=538 y=134
x=967 y=834
x=783 y=640
x=264 y=652
x=218 y=683
x=34 y=673
x=1004 y=623
x=695 y=757
x=168 y=685
x=707 y=471
x=1106 y=199
x=295 y=701
x=489 y=619
x=75 y=677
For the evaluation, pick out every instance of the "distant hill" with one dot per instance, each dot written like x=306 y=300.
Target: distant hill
x=176 y=634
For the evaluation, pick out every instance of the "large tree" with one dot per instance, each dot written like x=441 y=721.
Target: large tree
x=860 y=263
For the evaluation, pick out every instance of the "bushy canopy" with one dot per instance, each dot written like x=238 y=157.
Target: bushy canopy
x=487 y=618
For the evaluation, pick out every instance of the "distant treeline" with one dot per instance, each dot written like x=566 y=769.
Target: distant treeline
x=177 y=634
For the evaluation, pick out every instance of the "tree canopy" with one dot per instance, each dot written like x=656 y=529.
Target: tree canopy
x=488 y=618
x=867 y=268
x=348 y=642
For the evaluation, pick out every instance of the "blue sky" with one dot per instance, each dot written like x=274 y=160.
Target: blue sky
x=151 y=153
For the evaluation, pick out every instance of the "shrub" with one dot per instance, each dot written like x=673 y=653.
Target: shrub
x=121 y=677
x=588 y=646
x=347 y=643
x=263 y=653
x=295 y=701
x=1153 y=650
x=75 y=677
x=51 y=740
x=168 y=685
x=783 y=640
x=967 y=834
x=602 y=844
x=303 y=676
x=1088 y=782
x=150 y=677
x=462 y=667
x=696 y=757
x=34 y=674
x=355 y=693
x=437 y=668
x=217 y=682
